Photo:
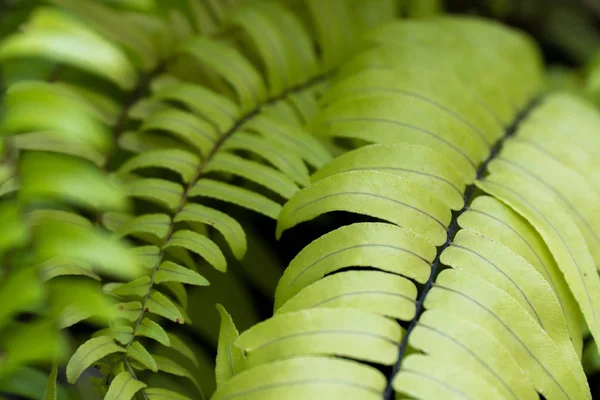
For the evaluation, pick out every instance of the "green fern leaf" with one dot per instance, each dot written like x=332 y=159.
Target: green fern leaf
x=50 y=392
x=386 y=294
x=185 y=126
x=342 y=332
x=233 y=67
x=398 y=200
x=170 y=272
x=56 y=143
x=139 y=353
x=151 y=329
x=200 y=245
x=160 y=304
x=120 y=333
x=373 y=244
x=60 y=266
x=321 y=376
x=288 y=163
x=153 y=224
x=54 y=35
x=230 y=358
x=236 y=195
x=88 y=353
x=164 y=394
x=229 y=227
x=137 y=287
x=182 y=162
x=123 y=387
x=209 y=105
x=130 y=310
x=148 y=255
x=116 y=27
x=160 y=191
x=291 y=138
x=255 y=172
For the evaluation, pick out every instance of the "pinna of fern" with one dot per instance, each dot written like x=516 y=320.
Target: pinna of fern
x=237 y=126
x=485 y=249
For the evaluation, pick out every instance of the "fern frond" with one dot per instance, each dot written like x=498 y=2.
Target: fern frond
x=249 y=128
x=512 y=272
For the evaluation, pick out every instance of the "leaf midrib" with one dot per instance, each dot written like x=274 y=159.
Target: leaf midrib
x=450 y=234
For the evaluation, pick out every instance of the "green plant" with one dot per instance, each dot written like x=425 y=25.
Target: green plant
x=125 y=120
x=470 y=157
x=144 y=129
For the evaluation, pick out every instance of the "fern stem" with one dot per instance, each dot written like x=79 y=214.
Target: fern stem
x=199 y=172
x=450 y=233
x=132 y=98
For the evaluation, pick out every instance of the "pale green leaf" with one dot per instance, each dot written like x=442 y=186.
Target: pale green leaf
x=253 y=171
x=129 y=311
x=473 y=299
x=236 y=195
x=164 y=394
x=170 y=272
x=200 y=245
x=378 y=245
x=287 y=162
x=561 y=234
x=291 y=139
x=117 y=27
x=227 y=62
x=137 y=287
x=151 y=329
x=147 y=255
x=161 y=305
x=58 y=177
x=388 y=294
x=389 y=197
x=230 y=358
x=54 y=35
x=154 y=224
x=426 y=377
x=50 y=391
x=185 y=126
x=121 y=333
x=88 y=353
x=180 y=161
x=123 y=387
x=159 y=191
x=59 y=110
x=139 y=353
x=339 y=331
x=448 y=339
x=306 y=378
x=60 y=266
x=206 y=103
x=57 y=143
x=229 y=227
x=499 y=222
x=418 y=164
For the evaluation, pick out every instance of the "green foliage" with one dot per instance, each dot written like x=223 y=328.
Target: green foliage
x=154 y=135
x=119 y=165
x=500 y=180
